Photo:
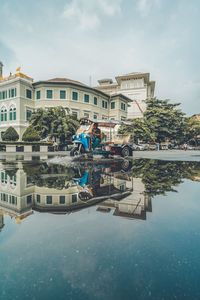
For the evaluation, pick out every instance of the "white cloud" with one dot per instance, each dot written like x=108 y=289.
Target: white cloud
x=88 y=13
x=111 y=7
x=146 y=6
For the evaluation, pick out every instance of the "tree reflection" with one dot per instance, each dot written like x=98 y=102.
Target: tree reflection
x=160 y=177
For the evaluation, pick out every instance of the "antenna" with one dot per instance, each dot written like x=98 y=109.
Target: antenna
x=90 y=80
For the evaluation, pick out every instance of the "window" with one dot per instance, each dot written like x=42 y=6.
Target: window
x=12 y=93
x=95 y=100
x=3 y=114
x=123 y=106
x=112 y=105
x=13 y=180
x=13 y=200
x=122 y=188
x=28 y=114
x=74 y=198
x=104 y=104
x=75 y=114
x=62 y=94
x=62 y=199
x=38 y=95
x=49 y=94
x=49 y=199
x=74 y=96
x=29 y=199
x=86 y=115
x=3 y=95
x=12 y=114
x=2 y=177
x=38 y=198
x=86 y=98
x=95 y=116
x=28 y=94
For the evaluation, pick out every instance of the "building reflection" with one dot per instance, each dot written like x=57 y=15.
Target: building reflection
x=1 y=219
x=134 y=206
x=28 y=188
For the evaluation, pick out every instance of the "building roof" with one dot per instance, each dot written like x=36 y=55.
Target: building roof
x=133 y=75
x=121 y=96
x=105 y=80
x=14 y=76
x=64 y=80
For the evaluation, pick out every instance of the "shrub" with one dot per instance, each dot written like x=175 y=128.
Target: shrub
x=30 y=135
x=10 y=135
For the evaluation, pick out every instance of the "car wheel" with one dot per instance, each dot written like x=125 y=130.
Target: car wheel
x=126 y=151
x=76 y=151
x=126 y=165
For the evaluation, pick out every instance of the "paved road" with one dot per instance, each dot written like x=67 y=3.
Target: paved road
x=182 y=155
x=189 y=155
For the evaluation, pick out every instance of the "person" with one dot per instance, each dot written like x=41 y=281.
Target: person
x=185 y=146
x=96 y=136
x=55 y=145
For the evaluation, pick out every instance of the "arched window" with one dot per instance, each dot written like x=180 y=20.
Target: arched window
x=3 y=114
x=12 y=113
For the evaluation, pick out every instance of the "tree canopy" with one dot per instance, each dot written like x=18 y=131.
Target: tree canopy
x=55 y=122
x=162 y=121
x=30 y=135
x=192 y=132
x=10 y=135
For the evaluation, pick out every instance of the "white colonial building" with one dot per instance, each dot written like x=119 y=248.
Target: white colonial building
x=136 y=86
x=20 y=95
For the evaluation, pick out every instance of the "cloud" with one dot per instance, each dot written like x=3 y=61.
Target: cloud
x=88 y=13
x=146 y=6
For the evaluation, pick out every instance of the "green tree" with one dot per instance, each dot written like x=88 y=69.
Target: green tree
x=10 y=135
x=192 y=132
x=162 y=121
x=30 y=135
x=55 y=122
x=139 y=130
x=165 y=120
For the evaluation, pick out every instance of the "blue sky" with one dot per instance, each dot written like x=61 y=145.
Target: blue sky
x=104 y=38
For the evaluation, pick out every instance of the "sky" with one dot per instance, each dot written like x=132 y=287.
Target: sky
x=79 y=39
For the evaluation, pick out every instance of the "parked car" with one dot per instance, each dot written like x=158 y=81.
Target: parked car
x=137 y=147
x=152 y=147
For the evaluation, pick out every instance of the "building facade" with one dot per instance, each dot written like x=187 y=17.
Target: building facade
x=20 y=96
x=136 y=86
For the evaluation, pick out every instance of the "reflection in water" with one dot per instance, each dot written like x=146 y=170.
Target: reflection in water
x=97 y=253
x=57 y=189
x=123 y=189
x=160 y=177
